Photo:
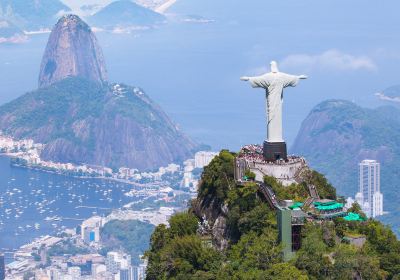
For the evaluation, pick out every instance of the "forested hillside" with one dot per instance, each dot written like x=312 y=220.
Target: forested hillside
x=229 y=232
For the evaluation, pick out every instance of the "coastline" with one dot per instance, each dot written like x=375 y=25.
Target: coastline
x=72 y=176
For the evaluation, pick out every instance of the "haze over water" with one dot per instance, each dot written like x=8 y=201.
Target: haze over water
x=192 y=69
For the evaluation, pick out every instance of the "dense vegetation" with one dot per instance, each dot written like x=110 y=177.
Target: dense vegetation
x=82 y=121
x=338 y=134
x=67 y=248
x=131 y=236
x=185 y=250
x=78 y=99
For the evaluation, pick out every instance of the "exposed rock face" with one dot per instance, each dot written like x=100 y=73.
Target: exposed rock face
x=338 y=134
x=72 y=51
x=112 y=125
x=216 y=215
x=81 y=118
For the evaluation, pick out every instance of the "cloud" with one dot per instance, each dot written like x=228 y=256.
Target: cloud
x=382 y=96
x=331 y=60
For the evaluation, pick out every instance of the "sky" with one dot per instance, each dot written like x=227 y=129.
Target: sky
x=348 y=49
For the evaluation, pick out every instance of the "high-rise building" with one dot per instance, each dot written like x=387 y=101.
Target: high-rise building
x=119 y=263
x=74 y=272
x=126 y=273
x=369 y=196
x=377 y=206
x=349 y=202
x=202 y=159
x=139 y=272
x=90 y=229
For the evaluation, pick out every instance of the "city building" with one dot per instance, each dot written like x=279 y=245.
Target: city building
x=139 y=272
x=90 y=229
x=377 y=207
x=202 y=159
x=369 y=196
x=97 y=270
x=41 y=275
x=119 y=263
x=126 y=273
x=74 y=272
x=349 y=203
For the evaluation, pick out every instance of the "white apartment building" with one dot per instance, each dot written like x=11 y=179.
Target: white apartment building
x=202 y=159
x=90 y=229
x=74 y=272
x=369 y=196
x=116 y=261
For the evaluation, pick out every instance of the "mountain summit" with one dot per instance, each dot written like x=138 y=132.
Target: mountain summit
x=82 y=118
x=72 y=51
x=32 y=15
x=125 y=14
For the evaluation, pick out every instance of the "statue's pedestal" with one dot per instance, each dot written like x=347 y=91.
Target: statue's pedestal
x=251 y=158
x=275 y=151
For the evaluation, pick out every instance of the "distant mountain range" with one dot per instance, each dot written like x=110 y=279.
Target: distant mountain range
x=124 y=14
x=391 y=94
x=82 y=118
x=338 y=134
x=21 y=17
x=10 y=33
x=31 y=15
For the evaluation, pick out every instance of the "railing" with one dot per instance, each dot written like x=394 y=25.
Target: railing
x=269 y=195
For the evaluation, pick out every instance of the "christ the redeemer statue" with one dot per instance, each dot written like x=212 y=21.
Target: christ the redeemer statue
x=274 y=82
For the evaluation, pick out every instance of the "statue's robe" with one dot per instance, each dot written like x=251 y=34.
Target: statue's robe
x=274 y=83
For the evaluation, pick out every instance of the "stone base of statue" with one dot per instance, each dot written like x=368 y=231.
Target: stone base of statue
x=275 y=151
x=251 y=158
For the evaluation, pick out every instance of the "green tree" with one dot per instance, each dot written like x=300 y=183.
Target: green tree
x=257 y=219
x=256 y=252
x=313 y=256
x=356 y=208
x=285 y=271
x=250 y=175
x=349 y=261
x=185 y=256
x=183 y=224
x=159 y=238
x=131 y=235
x=218 y=177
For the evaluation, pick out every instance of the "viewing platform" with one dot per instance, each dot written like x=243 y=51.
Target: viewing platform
x=285 y=171
x=326 y=209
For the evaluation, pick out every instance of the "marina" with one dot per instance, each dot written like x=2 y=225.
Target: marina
x=35 y=203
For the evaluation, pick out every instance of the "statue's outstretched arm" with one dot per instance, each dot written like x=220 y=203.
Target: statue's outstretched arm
x=245 y=78
x=303 y=77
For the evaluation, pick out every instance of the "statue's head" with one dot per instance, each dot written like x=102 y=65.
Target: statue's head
x=274 y=67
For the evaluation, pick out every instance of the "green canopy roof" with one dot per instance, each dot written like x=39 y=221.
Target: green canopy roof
x=330 y=206
x=353 y=217
x=296 y=205
x=324 y=203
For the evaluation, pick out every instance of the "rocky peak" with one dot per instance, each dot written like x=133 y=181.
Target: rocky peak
x=72 y=51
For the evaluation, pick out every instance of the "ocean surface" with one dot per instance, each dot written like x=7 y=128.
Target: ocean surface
x=191 y=67
x=29 y=200
x=192 y=70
